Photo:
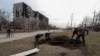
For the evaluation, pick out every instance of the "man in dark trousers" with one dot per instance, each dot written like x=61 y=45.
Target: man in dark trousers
x=75 y=32
x=81 y=33
x=37 y=37
x=47 y=35
x=8 y=31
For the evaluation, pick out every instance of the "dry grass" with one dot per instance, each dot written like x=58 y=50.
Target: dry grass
x=16 y=46
x=92 y=47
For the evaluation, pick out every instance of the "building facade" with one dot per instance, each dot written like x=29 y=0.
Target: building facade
x=26 y=18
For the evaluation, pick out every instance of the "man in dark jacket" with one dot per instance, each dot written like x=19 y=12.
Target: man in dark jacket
x=82 y=33
x=37 y=37
x=47 y=35
x=8 y=31
x=75 y=32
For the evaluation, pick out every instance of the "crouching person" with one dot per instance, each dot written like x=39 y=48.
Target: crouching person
x=75 y=32
x=37 y=37
x=82 y=32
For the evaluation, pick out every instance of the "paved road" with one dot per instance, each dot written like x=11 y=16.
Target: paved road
x=16 y=36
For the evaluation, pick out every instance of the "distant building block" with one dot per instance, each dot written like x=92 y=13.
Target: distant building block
x=26 y=18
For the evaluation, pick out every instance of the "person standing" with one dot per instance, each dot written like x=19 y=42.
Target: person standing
x=8 y=31
x=47 y=35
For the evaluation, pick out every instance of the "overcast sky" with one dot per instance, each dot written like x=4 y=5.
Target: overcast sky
x=58 y=11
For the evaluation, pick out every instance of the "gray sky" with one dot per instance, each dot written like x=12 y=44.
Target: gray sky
x=58 y=11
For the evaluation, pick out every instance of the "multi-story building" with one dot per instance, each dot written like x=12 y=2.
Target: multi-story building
x=42 y=21
x=25 y=18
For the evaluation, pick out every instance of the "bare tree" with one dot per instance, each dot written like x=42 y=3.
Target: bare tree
x=87 y=22
x=3 y=19
x=97 y=22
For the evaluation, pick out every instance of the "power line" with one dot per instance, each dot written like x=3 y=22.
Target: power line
x=94 y=6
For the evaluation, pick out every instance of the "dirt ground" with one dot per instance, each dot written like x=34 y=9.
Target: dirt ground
x=49 y=50
x=92 y=47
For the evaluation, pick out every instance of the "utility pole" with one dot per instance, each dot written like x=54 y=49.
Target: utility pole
x=93 y=20
x=68 y=25
x=71 y=20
